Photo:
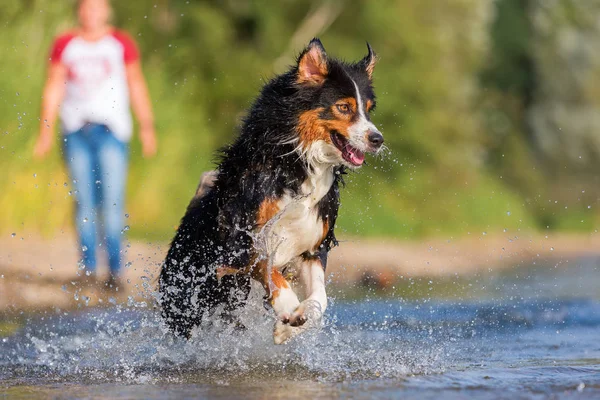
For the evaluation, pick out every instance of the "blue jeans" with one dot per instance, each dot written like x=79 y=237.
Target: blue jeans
x=97 y=163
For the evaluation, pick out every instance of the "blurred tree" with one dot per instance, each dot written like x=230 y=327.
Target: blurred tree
x=454 y=81
x=565 y=117
x=508 y=83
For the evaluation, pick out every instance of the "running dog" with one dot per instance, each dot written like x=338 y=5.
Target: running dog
x=269 y=213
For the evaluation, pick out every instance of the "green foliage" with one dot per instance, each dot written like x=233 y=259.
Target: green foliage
x=205 y=61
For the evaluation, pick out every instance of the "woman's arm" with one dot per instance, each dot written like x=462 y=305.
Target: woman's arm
x=54 y=91
x=140 y=101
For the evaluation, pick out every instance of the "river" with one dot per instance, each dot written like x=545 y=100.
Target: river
x=530 y=332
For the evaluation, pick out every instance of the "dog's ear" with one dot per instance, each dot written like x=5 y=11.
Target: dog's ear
x=368 y=63
x=312 y=64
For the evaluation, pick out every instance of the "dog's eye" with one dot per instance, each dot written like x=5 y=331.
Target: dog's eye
x=343 y=108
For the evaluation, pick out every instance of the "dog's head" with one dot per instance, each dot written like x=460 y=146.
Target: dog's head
x=334 y=126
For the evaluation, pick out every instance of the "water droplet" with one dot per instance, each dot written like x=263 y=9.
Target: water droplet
x=84 y=248
x=508 y=213
x=551 y=248
x=34 y=175
x=85 y=220
x=13 y=234
x=126 y=228
x=126 y=215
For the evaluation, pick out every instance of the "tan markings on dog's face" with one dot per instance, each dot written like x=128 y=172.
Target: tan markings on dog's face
x=344 y=112
x=311 y=127
x=268 y=208
x=344 y=109
x=369 y=105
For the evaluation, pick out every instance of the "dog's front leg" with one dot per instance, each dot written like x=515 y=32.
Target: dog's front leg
x=283 y=300
x=312 y=275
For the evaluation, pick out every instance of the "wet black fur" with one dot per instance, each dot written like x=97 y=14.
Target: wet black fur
x=216 y=229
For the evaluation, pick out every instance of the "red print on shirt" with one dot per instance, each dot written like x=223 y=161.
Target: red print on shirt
x=89 y=73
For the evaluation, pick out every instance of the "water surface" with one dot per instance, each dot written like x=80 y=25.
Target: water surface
x=529 y=333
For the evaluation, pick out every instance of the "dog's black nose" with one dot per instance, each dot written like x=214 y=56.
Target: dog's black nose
x=375 y=139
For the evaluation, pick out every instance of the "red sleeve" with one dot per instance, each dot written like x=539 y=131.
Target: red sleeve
x=130 y=49
x=59 y=45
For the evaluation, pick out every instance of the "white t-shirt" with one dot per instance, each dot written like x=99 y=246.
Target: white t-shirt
x=96 y=86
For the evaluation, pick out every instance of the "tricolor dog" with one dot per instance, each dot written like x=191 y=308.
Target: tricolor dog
x=270 y=212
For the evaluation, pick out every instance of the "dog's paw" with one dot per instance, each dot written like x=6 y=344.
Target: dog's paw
x=300 y=314
x=284 y=317
x=289 y=325
x=284 y=332
x=297 y=318
x=307 y=310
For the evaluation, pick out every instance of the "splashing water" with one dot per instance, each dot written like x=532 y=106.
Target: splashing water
x=527 y=346
x=127 y=345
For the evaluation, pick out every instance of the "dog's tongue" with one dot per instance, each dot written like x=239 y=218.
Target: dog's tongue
x=355 y=156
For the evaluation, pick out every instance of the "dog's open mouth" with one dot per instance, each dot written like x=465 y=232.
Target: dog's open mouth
x=349 y=153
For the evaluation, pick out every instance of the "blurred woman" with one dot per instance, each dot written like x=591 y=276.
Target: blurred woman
x=93 y=74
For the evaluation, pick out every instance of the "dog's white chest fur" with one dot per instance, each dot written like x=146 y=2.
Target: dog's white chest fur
x=297 y=227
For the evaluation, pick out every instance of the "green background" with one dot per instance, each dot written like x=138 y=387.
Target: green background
x=456 y=82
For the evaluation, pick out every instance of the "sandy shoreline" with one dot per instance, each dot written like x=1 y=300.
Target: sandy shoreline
x=36 y=273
